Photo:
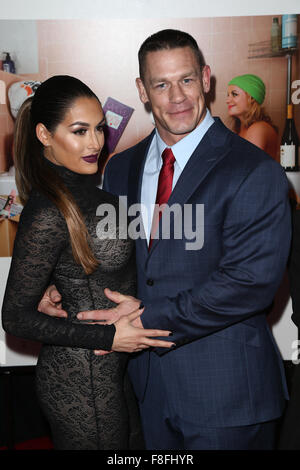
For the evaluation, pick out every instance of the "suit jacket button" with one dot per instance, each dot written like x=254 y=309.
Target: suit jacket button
x=150 y=282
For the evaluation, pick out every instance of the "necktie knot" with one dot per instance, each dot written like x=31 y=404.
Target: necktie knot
x=168 y=157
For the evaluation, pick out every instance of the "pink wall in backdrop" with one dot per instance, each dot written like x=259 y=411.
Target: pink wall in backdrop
x=104 y=55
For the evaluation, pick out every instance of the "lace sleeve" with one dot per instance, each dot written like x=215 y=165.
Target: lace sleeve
x=41 y=237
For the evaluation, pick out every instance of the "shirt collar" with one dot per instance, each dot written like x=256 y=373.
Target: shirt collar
x=183 y=149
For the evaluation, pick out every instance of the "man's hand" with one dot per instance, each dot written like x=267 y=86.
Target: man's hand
x=126 y=305
x=51 y=303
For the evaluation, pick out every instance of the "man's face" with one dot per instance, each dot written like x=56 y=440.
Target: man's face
x=174 y=86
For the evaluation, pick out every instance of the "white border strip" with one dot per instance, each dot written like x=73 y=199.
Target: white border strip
x=101 y=9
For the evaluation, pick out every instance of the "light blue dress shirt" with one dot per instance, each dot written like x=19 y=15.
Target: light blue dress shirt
x=182 y=151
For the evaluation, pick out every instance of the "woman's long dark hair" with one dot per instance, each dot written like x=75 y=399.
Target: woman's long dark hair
x=48 y=106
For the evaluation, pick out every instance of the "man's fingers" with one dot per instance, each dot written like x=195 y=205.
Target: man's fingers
x=114 y=296
x=98 y=315
x=53 y=311
x=55 y=297
x=53 y=293
x=101 y=352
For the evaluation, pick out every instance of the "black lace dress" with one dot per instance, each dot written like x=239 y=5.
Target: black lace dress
x=86 y=398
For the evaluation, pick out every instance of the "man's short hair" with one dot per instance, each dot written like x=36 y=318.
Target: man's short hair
x=167 y=39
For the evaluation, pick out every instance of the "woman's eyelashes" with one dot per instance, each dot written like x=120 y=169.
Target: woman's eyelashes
x=80 y=131
x=83 y=131
x=100 y=128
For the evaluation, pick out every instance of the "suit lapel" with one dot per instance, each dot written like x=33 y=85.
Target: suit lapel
x=136 y=170
x=206 y=156
x=135 y=182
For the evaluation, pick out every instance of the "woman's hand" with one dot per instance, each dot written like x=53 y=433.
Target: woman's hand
x=129 y=338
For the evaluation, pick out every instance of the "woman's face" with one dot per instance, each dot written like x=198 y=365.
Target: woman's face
x=77 y=141
x=237 y=101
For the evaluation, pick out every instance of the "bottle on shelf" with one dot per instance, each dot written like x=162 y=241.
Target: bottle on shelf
x=289 y=147
x=275 y=36
x=289 y=31
x=8 y=64
x=5 y=211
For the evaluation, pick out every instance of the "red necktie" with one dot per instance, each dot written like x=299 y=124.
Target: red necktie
x=164 y=188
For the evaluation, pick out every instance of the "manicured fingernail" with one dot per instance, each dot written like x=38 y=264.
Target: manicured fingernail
x=170 y=334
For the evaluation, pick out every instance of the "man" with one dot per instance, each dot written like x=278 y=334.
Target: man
x=223 y=385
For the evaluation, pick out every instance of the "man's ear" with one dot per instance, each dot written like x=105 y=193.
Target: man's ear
x=206 y=72
x=43 y=134
x=142 y=91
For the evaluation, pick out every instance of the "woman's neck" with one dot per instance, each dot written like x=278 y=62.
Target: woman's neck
x=242 y=127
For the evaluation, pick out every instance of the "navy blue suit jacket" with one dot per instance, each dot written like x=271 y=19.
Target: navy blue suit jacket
x=226 y=369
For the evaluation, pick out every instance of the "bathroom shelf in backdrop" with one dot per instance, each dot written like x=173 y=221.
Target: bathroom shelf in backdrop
x=263 y=50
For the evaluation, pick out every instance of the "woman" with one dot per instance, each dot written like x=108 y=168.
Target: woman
x=245 y=95
x=58 y=140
